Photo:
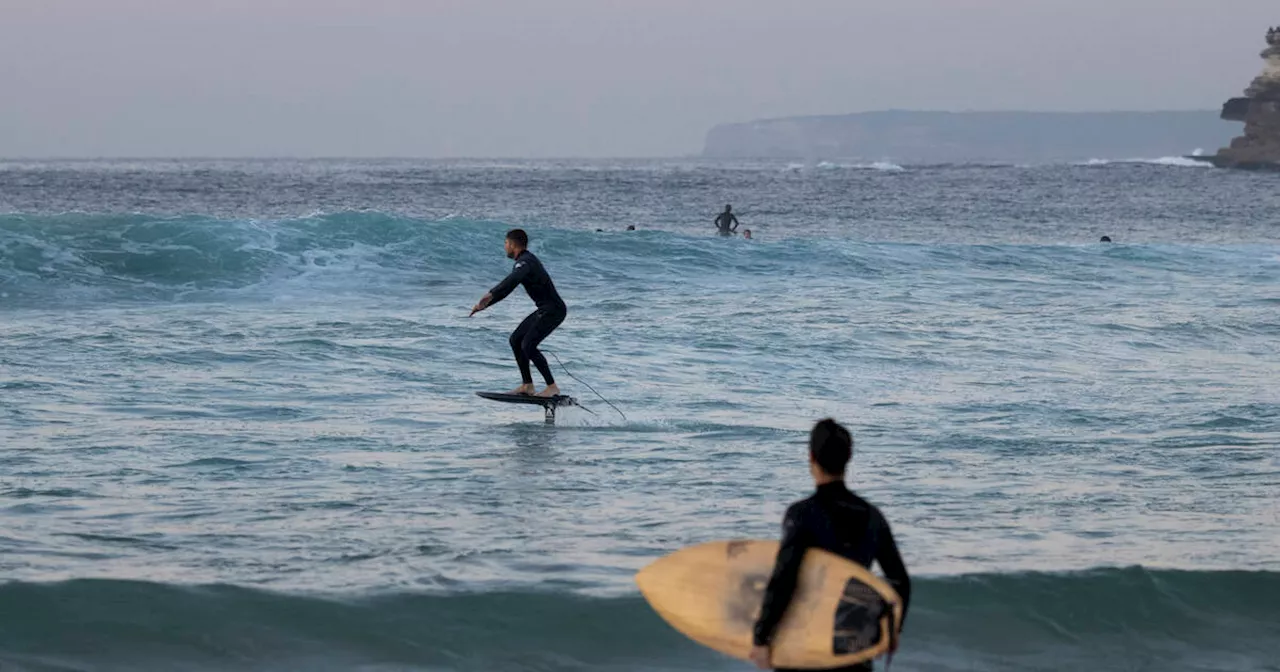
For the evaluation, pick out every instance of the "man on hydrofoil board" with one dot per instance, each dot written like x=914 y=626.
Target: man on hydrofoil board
x=550 y=311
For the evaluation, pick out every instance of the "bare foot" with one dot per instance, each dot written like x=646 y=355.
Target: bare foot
x=527 y=388
x=551 y=391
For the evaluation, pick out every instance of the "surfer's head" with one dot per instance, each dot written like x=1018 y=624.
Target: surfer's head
x=517 y=241
x=830 y=447
x=728 y=208
x=1106 y=239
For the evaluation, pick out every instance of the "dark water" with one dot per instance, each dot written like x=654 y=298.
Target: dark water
x=237 y=428
x=1112 y=619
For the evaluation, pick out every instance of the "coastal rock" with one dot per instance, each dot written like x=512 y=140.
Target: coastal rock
x=1259 y=109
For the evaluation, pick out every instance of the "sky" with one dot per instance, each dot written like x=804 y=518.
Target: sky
x=576 y=78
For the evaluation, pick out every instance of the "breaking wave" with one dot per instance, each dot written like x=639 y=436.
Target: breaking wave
x=1129 y=618
x=1174 y=161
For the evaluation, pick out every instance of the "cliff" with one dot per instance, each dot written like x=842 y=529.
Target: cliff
x=954 y=137
x=1259 y=109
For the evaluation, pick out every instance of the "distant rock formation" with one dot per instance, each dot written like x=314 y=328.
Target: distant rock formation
x=1259 y=109
x=971 y=137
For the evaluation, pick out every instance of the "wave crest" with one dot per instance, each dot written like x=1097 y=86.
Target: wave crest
x=144 y=256
x=1100 y=619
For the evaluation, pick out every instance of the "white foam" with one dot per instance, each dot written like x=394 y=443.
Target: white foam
x=1176 y=161
x=878 y=165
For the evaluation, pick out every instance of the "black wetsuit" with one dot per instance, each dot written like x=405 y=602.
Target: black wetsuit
x=836 y=520
x=541 y=322
x=722 y=223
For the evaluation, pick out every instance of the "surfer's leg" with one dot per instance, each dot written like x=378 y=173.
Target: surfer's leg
x=517 y=347
x=546 y=323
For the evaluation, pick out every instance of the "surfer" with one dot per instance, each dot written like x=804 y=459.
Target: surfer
x=549 y=313
x=833 y=519
x=722 y=222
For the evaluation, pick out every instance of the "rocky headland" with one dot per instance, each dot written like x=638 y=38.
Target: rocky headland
x=1259 y=109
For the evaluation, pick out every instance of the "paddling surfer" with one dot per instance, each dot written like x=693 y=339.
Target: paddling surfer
x=834 y=519
x=548 y=315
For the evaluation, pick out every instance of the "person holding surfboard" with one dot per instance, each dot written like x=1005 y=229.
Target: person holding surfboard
x=834 y=519
x=550 y=311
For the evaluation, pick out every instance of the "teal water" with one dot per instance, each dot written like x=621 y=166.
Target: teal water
x=239 y=429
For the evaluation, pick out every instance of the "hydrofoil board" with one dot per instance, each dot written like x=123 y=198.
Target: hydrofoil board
x=557 y=400
x=548 y=404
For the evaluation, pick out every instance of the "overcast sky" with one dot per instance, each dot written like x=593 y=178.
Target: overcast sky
x=583 y=78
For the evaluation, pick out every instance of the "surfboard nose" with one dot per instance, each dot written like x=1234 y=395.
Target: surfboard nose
x=651 y=574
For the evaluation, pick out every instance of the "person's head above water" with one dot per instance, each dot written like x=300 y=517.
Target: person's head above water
x=1106 y=239
x=728 y=208
x=746 y=233
x=830 y=448
x=517 y=241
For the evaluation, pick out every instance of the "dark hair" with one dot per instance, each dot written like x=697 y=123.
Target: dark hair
x=831 y=446
x=519 y=237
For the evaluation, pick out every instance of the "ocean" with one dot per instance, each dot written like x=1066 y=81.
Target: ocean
x=238 y=428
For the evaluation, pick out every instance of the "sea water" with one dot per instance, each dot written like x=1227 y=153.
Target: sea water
x=238 y=428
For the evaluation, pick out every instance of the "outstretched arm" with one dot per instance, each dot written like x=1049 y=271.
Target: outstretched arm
x=502 y=289
x=481 y=304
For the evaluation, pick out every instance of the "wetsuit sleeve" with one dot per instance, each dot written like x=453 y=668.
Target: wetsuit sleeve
x=894 y=570
x=786 y=573
x=513 y=280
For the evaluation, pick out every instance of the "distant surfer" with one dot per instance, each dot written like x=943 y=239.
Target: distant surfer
x=548 y=315
x=833 y=519
x=722 y=222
